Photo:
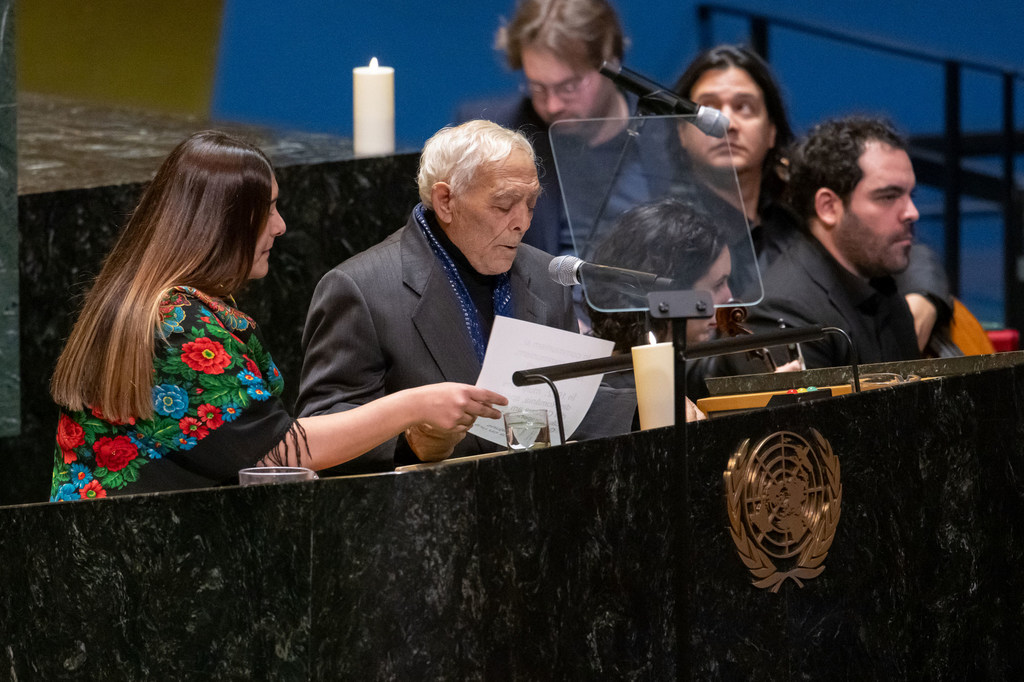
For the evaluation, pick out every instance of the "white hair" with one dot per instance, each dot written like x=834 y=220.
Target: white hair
x=454 y=154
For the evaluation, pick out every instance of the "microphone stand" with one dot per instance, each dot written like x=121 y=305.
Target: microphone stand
x=678 y=307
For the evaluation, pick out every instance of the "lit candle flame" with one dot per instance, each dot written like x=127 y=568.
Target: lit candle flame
x=374 y=63
x=652 y=338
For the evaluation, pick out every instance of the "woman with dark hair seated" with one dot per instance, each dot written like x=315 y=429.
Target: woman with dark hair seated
x=672 y=239
x=739 y=83
x=165 y=385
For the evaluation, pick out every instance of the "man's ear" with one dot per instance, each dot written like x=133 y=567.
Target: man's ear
x=441 y=197
x=828 y=206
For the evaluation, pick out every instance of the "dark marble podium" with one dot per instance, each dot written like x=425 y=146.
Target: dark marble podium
x=557 y=564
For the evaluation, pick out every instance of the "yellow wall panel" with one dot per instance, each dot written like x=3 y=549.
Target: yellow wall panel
x=150 y=53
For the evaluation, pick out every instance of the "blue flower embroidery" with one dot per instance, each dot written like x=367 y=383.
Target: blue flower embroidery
x=152 y=448
x=170 y=400
x=258 y=392
x=67 y=493
x=80 y=475
x=249 y=378
x=234 y=321
x=230 y=412
x=171 y=324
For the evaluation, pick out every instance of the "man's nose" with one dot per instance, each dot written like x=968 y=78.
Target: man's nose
x=910 y=213
x=522 y=215
x=554 y=103
x=731 y=115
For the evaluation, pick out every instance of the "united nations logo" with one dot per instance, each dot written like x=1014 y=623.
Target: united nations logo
x=783 y=498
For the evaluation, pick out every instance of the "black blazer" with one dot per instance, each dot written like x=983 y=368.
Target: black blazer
x=806 y=286
x=387 y=319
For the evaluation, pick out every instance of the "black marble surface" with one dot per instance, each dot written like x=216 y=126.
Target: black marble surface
x=10 y=378
x=557 y=564
x=334 y=206
x=76 y=144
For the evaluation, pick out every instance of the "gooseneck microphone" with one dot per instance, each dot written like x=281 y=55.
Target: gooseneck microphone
x=663 y=102
x=570 y=270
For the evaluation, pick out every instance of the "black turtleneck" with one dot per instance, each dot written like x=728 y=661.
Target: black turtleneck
x=480 y=287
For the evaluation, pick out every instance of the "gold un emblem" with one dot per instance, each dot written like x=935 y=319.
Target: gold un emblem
x=783 y=498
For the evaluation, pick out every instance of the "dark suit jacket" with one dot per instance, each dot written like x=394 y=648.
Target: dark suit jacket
x=805 y=286
x=387 y=320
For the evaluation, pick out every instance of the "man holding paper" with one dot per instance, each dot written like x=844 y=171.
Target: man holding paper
x=418 y=308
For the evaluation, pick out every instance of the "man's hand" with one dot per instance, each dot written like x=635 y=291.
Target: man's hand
x=448 y=410
x=925 y=314
x=693 y=413
x=432 y=444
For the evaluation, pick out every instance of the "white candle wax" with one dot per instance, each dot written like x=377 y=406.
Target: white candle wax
x=373 y=109
x=655 y=385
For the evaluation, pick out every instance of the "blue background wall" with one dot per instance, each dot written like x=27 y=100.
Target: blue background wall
x=289 y=64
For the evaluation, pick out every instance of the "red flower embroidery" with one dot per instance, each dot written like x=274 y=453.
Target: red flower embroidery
x=113 y=454
x=210 y=416
x=204 y=355
x=252 y=366
x=69 y=433
x=190 y=426
x=93 y=489
x=69 y=456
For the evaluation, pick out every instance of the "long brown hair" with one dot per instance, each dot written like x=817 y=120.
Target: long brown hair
x=196 y=225
x=723 y=57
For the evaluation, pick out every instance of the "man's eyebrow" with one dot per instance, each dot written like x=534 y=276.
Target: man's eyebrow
x=901 y=189
x=515 y=194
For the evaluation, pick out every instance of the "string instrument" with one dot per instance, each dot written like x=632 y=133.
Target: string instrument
x=963 y=335
x=730 y=323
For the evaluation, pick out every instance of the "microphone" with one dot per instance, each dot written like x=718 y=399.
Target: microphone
x=661 y=101
x=569 y=270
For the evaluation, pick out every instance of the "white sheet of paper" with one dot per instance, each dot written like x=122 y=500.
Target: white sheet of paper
x=515 y=345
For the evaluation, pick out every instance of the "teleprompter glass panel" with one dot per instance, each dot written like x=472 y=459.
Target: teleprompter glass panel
x=653 y=203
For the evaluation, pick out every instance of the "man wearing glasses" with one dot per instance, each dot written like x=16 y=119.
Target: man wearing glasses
x=559 y=45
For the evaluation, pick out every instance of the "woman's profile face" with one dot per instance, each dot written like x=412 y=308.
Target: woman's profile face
x=274 y=228
x=715 y=280
x=751 y=133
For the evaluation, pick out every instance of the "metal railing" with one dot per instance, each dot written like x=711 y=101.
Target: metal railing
x=946 y=168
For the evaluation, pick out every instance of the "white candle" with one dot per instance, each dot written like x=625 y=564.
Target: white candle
x=654 y=372
x=373 y=109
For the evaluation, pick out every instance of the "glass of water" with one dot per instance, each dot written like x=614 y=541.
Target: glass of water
x=264 y=475
x=526 y=429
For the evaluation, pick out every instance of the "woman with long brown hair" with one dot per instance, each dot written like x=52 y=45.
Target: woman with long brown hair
x=165 y=385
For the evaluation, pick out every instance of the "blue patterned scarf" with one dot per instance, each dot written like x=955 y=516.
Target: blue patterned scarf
x=502 y=295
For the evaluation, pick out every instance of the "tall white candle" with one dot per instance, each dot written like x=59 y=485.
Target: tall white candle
x=373 y=109
x=654 y=372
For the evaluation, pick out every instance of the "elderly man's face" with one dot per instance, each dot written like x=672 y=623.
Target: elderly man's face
x=877 y=226
x=488 y=220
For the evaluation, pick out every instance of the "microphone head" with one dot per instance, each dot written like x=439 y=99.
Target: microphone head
x=711 y=122
x=562 y=269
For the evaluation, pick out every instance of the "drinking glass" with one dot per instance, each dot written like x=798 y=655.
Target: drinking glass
x=263 y=475
x=527 y=429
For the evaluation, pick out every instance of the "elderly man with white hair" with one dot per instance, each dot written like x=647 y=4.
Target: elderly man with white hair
x=418 y=307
